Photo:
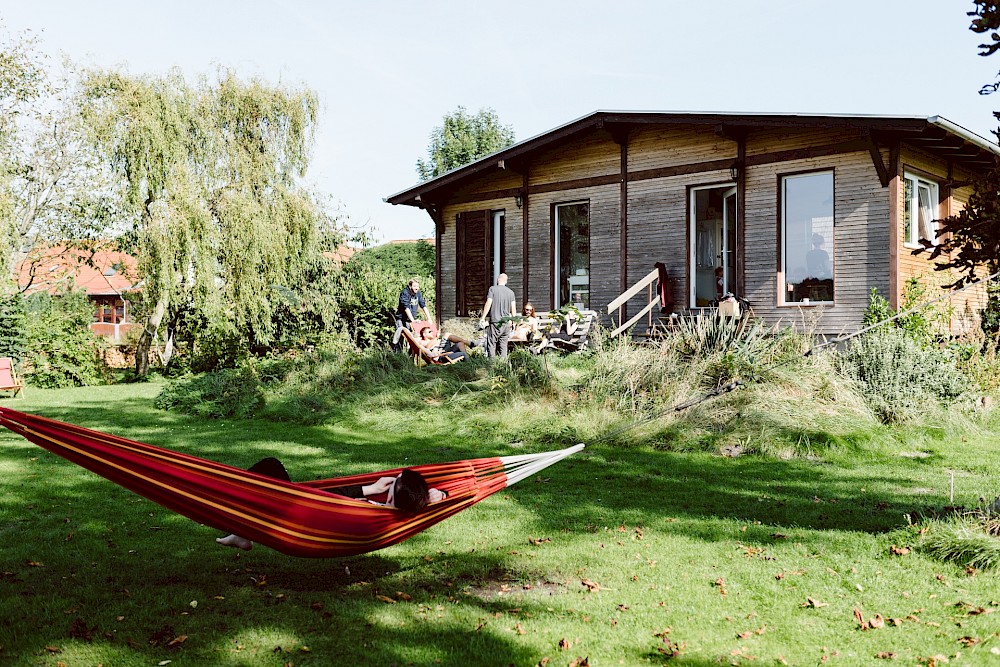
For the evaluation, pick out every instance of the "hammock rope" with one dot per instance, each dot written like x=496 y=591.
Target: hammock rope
x=299 y=519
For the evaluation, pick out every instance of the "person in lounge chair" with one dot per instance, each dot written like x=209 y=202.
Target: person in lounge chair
x=408 y=491
x=527 y=329
x=450 y=346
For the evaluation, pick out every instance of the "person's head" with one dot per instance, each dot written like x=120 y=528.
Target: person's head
x=414 y=285
x=426 y=333
x=529 y=310
x=502 y=279
x=410 y=492
x=818 y=240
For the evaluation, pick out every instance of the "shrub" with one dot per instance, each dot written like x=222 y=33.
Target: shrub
x=521 y=371
x=60 y=350
x=219 y=345
x=224 y=393
x=12 y=327
x=897 y=376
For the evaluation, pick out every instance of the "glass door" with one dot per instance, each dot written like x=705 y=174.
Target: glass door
x=713 y=252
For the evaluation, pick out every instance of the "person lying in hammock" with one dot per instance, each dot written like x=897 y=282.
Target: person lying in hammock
x=408 y=491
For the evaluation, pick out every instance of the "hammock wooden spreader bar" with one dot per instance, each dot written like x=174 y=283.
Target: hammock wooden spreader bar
x=295 y=518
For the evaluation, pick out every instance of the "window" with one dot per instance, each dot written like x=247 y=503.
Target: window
x=572 y=255
x=920 y=210
x=807 y=237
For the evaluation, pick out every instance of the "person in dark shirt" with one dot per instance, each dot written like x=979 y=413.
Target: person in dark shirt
x=411 y=301
x=408 y=491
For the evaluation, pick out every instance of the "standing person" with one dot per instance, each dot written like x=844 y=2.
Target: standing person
x=410 y=302
x=499 y=304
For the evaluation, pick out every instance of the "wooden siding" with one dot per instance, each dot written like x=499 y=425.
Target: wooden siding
x=594 y=155
x=860 y=244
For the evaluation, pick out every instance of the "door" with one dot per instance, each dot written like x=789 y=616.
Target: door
x=714 y=254
x=473 y=261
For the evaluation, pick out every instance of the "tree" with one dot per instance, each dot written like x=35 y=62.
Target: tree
x=212 y=173
x=463 y=138
x=969 y=242
x=412 y=259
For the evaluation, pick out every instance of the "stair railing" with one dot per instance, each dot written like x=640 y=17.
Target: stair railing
x=620 y=301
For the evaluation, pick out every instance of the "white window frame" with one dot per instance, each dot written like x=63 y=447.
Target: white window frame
x=913 y=239
x=498 y=221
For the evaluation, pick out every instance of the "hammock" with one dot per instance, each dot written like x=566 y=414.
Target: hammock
x=298 y=519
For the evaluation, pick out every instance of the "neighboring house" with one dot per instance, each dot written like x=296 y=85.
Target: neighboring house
x=341 y=255
x=794 y=212
x=105 y=275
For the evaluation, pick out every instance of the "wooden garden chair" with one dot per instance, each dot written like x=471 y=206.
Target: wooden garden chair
x=8 y=377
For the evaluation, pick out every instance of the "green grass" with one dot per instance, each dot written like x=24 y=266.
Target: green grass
x=750 y=561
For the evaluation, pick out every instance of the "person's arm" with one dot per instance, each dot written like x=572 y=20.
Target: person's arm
x=381 y=486
x=436 y=495
x=486 y=311
x=422 y=303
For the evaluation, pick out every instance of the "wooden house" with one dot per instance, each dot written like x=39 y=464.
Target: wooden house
x=800 y=214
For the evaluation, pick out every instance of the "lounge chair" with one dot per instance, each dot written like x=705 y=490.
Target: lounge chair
x=8 y=377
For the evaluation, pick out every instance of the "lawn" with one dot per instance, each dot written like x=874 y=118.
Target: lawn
x=616 y=556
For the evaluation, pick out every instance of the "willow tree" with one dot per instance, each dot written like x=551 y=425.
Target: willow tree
x=213 y=174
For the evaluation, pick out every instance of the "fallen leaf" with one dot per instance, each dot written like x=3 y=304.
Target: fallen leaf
x=564 y=644
x=815 y=604
x=898 y=551
x=403 y=596
x=592 y=586
x=386 y=599
x=52 y=649
x=178 y=640
x=969 y=641
x=876 y=622
x=580 y=662
x=539 y=541
x=519 y=630
x=623 y=607
x=885 y=655
x=721 y=584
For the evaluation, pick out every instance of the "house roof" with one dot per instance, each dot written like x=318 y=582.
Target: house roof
x=62 y=267
x=936 y=134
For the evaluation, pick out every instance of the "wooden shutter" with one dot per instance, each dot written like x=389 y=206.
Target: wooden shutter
x=472 y=263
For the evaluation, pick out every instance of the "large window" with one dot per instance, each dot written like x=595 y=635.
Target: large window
x=920 y=206
x=572 y=255
x=807 y=237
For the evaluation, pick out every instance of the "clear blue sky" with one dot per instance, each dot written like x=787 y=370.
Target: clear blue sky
x=386 y=72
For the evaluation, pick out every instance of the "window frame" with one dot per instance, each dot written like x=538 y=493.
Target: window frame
x=912 y=240
x=782 y=272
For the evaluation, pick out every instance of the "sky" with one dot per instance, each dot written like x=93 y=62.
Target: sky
x=386 y=72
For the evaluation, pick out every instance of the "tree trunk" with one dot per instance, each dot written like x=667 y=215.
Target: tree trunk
x=148 y=334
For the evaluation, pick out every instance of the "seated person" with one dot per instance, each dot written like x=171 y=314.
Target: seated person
x=408 y=491
x=527 y=329
x=451 y=347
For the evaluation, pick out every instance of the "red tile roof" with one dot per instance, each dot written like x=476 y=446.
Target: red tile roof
x=60 y=267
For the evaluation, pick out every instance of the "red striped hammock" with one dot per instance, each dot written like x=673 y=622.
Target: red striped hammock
x=298 y=519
